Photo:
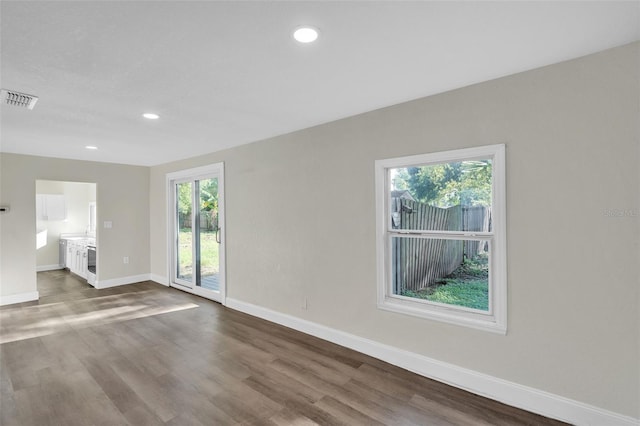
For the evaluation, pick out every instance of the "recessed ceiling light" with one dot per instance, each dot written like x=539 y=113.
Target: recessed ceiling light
x=150 y=116
x=305 y=34
x=91 y=147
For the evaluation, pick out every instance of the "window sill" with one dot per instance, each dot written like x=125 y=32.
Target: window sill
x=444 y=314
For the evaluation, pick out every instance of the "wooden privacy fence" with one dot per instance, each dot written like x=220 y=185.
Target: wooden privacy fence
x=206 y=221
x=420 y=262
x=476 y=219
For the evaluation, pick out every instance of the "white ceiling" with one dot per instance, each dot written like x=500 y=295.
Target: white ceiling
x=221 y=74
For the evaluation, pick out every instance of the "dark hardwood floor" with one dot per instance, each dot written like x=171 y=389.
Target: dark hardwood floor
x=145 y=354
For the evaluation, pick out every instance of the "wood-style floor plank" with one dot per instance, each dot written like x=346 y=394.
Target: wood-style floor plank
x=145 y=354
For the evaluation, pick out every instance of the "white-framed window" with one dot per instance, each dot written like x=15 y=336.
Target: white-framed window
x=441 y=236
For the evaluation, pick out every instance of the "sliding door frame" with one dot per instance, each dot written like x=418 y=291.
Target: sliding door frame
x=215 y=170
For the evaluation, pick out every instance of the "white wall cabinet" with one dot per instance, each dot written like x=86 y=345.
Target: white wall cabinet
x=50 y=207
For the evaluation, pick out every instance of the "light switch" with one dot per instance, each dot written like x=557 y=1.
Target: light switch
x=108 y=224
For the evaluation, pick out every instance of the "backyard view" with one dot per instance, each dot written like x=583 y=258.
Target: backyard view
x=205 y=231
x=209 y=253
x=442 y=197
x=466 y=286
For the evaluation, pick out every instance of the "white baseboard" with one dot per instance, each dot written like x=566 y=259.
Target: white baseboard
x=122 y=281
x=160 y=279
x=48 y=268
x=516 y=395
x=19 y=298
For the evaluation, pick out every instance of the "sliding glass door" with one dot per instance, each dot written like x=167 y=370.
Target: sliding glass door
x=197 y=236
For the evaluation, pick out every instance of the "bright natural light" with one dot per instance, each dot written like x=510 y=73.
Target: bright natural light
x=41 y=239
x=90 y=312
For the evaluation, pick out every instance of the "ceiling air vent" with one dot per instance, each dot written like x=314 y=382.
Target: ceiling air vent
x=11 y=97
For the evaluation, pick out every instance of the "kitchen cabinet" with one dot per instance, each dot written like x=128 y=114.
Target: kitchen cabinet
x=77 y=259
x=81 y=262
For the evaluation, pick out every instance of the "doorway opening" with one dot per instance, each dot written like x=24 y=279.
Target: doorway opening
x=66 y=229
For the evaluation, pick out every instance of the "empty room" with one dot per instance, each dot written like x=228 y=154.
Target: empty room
x=319 y=212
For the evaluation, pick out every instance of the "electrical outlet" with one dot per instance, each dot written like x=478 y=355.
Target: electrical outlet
x=125 y=260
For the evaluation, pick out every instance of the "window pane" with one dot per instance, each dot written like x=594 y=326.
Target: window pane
x=209 y=261
x=452 y=196
x=453 y=272
x=184 y=267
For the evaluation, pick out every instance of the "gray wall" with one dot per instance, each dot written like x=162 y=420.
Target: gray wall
x=122 y=197
x=300 y=223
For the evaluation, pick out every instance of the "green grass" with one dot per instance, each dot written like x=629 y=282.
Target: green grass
x=209 y=255
x=467 y=286
x=471 y=294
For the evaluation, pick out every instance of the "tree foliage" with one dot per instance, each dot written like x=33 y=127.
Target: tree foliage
x=467 y=183
x=184 y=199
x=208 y=196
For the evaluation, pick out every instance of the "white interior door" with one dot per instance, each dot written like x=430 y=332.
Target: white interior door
x=197 y=236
